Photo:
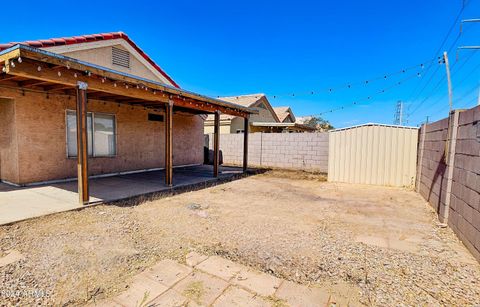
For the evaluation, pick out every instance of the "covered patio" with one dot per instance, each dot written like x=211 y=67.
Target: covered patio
x=20 y=203
x=28 y=69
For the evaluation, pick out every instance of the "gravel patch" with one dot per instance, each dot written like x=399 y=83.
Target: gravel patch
x=383 y=242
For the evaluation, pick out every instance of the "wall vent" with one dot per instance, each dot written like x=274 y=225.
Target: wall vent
x=155 y=117
x=120 y=57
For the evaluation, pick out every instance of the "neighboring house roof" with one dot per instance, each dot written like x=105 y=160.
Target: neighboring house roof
x=248 y=101
x=244 y=100
x=283 y=113
x=62 y=41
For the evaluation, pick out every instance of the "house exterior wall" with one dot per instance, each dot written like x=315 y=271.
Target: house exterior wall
x=41 y=133
x=103 y=56
x=264 y=115
x=224 y=127
x=8 y=141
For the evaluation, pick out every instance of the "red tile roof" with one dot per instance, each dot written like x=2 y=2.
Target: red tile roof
x=45 y=43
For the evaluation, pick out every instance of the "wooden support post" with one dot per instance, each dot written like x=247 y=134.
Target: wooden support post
x=82 y=143
x=245 y=144
x=216 y=145
x=169 y=143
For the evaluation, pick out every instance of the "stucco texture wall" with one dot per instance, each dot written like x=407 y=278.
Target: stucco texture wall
x=8 y=141
x=41 y=136
x=103 y=57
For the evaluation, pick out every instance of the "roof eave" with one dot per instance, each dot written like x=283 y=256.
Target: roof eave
x=20 y=50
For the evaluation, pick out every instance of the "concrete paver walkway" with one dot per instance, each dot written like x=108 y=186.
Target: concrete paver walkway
x=215 y=281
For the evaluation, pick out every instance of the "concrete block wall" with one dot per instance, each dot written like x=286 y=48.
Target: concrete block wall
x=464 y=210
x=433 y=179
x=305 y=151
x=464 y=217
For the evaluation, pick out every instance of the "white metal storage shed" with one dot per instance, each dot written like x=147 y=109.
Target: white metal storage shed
x=373 y=154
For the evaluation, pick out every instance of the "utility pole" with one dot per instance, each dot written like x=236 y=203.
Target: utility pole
x=473 y=20
x=398 y=118
x=447 y=68
x=478 y=99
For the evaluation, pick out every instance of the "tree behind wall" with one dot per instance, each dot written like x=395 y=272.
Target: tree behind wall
x=318 y=123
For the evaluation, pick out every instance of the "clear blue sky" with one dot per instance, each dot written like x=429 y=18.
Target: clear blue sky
x=283 y=47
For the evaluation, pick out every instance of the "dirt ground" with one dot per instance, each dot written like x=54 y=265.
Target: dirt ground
x=373 y=245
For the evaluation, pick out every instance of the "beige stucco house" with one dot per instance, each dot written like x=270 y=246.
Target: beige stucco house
x=233 y=124
x=285 y=114
x=269 y=119
x=133 y=110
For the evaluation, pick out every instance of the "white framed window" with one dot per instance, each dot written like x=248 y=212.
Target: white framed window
x=101 y=134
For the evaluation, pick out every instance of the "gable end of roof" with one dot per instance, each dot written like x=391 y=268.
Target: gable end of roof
x=62 y=41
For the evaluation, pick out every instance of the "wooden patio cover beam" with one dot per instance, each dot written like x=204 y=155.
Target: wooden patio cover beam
x=45 y=66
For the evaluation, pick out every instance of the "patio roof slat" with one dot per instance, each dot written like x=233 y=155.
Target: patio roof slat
x=60 y=63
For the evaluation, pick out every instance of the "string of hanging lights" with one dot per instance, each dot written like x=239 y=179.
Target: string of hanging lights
x=351 y=85
x=370 y=97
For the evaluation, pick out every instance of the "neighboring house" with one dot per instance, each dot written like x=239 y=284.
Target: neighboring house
x=131 y=101
x=284 y=114
x=268 y=119
x=235 y=124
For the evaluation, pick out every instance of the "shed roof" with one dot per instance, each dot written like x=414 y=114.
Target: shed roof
x=374 y=125
x=52 y=42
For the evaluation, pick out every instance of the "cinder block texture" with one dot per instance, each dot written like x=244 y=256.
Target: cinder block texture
x=305 y=151
x=34 y=146
x=464 y=211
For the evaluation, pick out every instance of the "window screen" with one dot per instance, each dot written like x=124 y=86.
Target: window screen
x=100 y=135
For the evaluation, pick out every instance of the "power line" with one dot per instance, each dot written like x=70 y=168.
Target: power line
x=457 y=18
x=348 y=85
x=368 y=98
x=440 y=82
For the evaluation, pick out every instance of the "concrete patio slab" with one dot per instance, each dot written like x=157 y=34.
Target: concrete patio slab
x=169 y=298
x=142 y=288
x=261 y=283
x=167 y=272
x=194 y=258
x=201 y=288
x=221 y=267
x=298 y=295
x=20 y=203
x=235 y=296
